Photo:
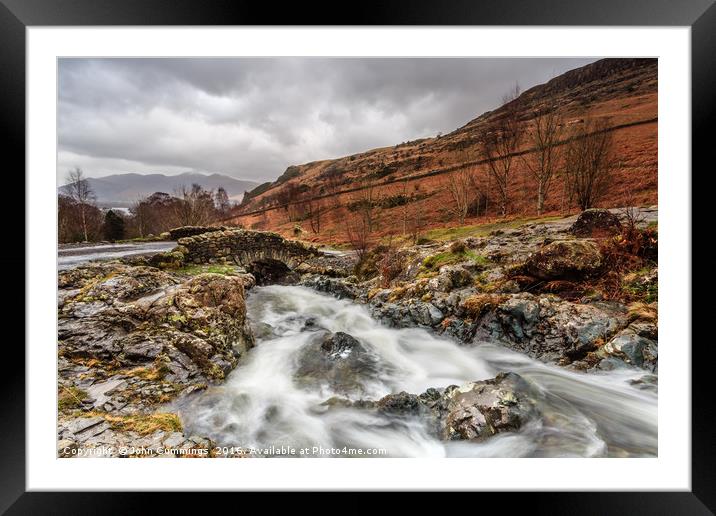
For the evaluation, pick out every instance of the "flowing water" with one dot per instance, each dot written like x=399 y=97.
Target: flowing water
x=71 y=256
x=261 y=407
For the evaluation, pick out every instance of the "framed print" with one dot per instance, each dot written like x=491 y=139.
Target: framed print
x=428 y=240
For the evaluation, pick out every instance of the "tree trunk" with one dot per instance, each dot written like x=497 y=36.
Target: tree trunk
x=84 y=223
x=540 y=198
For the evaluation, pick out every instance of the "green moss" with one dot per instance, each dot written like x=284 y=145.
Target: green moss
x=70 y=398
x=477 y=230
x=180 y=318
x=193 y=270
x=435 y=261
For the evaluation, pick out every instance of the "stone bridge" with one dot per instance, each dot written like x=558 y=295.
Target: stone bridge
x=249 y=249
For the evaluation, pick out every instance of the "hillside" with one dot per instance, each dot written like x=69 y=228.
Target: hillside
x=621 y=91
x=124 y=189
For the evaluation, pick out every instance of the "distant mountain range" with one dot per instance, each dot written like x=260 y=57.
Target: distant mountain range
x=121 y=190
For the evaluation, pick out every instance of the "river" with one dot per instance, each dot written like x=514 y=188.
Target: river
x=71 y=256
x=260 y=406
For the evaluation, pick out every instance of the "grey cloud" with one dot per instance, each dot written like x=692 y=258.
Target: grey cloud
x=252 y=117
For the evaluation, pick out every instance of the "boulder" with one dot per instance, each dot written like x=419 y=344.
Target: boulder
x=338 y=361
x=596 y=222
x=633 y=349
x=548 y=328
x=479 y=410
x=140 y=318
x=450 y=277
x=474 y=411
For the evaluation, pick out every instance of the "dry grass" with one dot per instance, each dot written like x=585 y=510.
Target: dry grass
x=143 y=424
x=478 y=304
x=644 y=312
x=70 y=397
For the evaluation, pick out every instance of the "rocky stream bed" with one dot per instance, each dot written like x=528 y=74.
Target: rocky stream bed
x=498 y=345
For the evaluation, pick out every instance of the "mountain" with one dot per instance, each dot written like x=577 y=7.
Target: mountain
x=622 y=92
x=124 y=189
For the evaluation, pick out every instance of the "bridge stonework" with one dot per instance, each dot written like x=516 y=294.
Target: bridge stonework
x=243 y=247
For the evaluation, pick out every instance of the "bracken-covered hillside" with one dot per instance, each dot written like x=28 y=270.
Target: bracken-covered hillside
x=413 y=176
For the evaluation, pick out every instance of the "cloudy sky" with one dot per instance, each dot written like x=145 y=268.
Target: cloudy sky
x=250 y=118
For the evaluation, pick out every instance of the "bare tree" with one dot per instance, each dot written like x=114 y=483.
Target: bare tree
x=461 y=186
x=358 y=235
x=544 y=137
x=417 y=221
x=366 y=204
x=500 y=143
x=222 y=201
x=140 y=214
x=313 y=207
x=196 y=206
x=588 y=162
x=79 y=190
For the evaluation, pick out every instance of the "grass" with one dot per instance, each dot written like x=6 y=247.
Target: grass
x=638 y=289
x=149 y=373
x=70 y=398
x=643 y=312
x=143 y=424
x=477 y=304
x=435 y=261
x=193 y=270
x=478 y=230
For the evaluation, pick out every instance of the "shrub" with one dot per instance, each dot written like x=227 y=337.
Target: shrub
x=390 y=266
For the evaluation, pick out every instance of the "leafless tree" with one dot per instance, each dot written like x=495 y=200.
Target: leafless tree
x=140 y=215
x=406 y=201
x=417 y=221
x=313 y=207
x=544 y=137
x=461 y=186
x=366 y=202
x=500 y=143
x=79 y=190
x=222 y=201
x=358 y=235
x=77 y=222
x=589 y=162
x=196 y=206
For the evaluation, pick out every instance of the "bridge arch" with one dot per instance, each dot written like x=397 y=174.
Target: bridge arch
x=254 y=250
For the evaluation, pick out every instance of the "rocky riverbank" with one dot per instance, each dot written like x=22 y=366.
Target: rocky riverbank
x=133 y=338
x=544 y=289
x=138 y=336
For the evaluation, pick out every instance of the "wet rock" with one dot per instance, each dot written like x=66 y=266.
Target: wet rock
x=548 y=328
x=648 y=382
x=474 y=411
x=633 y=349
x=135 y=337
x=128 y=283
x=596 y=222
x=402 y=404
x=338 y=361
x=337 y=287
x=425 y=314
x=478 y=410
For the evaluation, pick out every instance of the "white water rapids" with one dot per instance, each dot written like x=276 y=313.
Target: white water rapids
x=260 y=405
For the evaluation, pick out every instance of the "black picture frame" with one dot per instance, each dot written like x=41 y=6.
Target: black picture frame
x=16 y=15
